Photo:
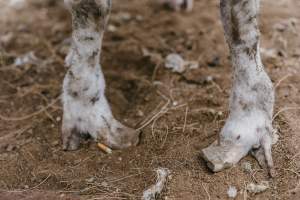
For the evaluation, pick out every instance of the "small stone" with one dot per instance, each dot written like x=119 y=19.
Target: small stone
x=55 y=143
x=257 y=188
x=125 y=16
x=28 y=58
x=275 y=136
x=175 y=103
x=10 y=148
x=111 y=28
x=33 y=179
x=26 y=186
x=192 y=64
x=209 y=79
x=139 y=18
x=17 y=4
x=120 y=159
x=58 y=119
x=140 y=113
x=212 y=111
x=232 y=192
x=90 y=180
x=186 y=5
x=175 y=62
x=147 y=98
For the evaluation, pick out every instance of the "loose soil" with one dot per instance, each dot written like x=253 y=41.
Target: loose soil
x=190 y=108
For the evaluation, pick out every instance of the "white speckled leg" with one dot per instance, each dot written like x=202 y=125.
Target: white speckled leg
x=249 y=125
x=86 y=110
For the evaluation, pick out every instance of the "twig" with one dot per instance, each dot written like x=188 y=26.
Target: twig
x=41 y=182
x=162 y=111
x=163 y=144
x=290 y=170
x=281 y=80
x=185 y=118
x=53 y=51
x=245 y=191
x=32 y=188
x=4 y=139
x=30 y=115
x=208 y=195
x=125 y=177
x=283 y=110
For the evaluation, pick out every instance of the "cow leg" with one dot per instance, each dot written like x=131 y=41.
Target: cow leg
x=249 y=125
x=86 y=110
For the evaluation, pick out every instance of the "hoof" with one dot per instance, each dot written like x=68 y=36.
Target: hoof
x=219 y=157
x=119 y=136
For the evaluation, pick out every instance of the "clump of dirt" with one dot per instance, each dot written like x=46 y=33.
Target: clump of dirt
x=189 y=108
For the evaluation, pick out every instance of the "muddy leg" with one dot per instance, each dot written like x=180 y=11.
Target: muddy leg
x=249 y=125
x=86 y=110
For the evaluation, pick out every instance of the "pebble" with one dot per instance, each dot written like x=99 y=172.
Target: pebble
x=55 y=143
x=175 y=103
x=10 y=148
x=175 y=62
x=90 y=180
x=232 y=192
x=17 y=4
x=209 y=79
x=140 y=113
x=125 y=16
x=139 y=18
x=257 y=188
x=58 y=119
x=28 y=58
x=112 y=28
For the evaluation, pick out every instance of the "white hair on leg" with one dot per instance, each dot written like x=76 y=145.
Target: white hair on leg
x=249 y=124
x=86 y=110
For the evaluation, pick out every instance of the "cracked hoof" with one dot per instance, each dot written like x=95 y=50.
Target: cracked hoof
x=239 y=137
x=228 y=153
x=219 y=157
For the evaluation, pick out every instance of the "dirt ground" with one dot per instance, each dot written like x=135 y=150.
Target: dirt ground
x=188 y=110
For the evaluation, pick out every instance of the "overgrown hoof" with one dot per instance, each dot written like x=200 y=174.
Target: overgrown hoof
x=119 y=136
x=219 y=157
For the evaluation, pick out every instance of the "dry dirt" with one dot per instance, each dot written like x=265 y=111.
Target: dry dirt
x=190 y=109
